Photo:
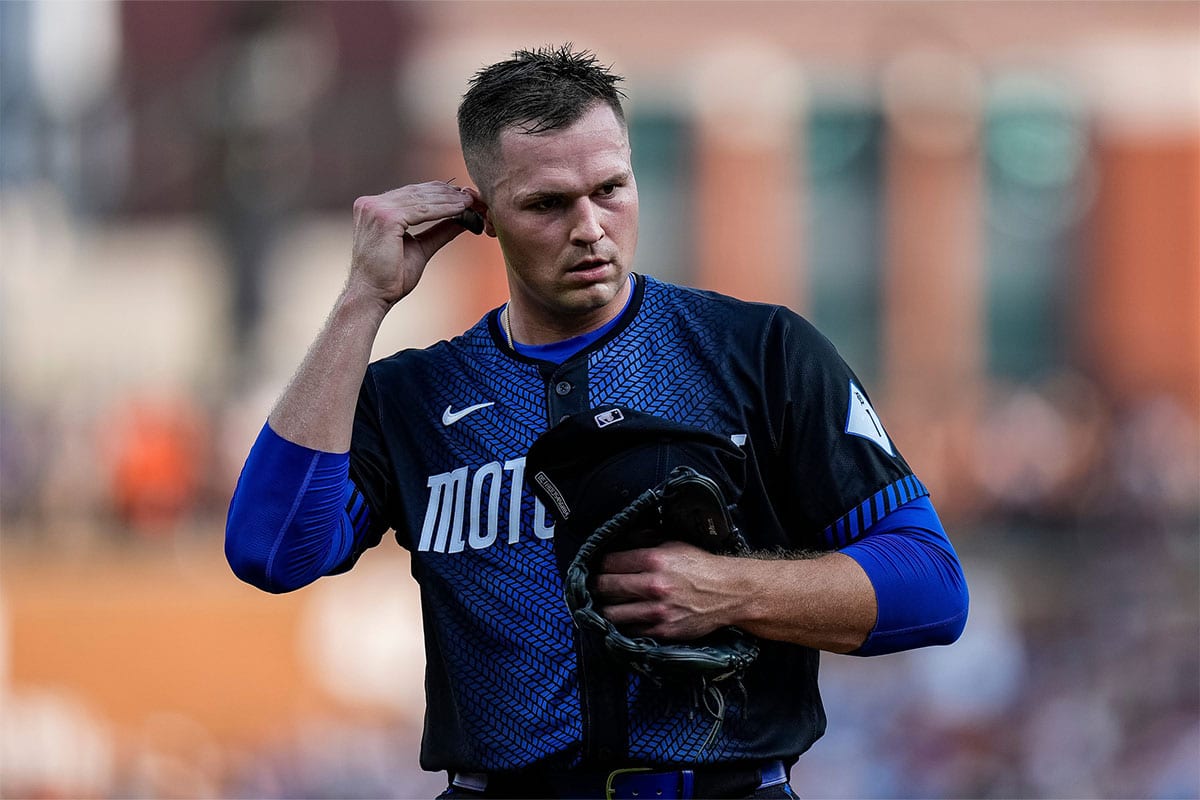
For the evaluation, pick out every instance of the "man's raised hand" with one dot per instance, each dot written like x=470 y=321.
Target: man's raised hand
x=387 y=259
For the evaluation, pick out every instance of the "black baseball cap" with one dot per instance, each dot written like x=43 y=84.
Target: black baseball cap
x=594 y=463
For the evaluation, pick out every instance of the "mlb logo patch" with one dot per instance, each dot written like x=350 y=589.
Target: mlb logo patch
x=861 y=420
x=606 y=418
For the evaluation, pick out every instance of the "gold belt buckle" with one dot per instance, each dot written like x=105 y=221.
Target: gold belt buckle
x=608 y=784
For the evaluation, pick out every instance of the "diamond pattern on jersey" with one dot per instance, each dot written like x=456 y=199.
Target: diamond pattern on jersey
x=516 y=661
x=673 y=362
x=470 y=370
x=669 y=362
x=494 y=608
x=674 y=725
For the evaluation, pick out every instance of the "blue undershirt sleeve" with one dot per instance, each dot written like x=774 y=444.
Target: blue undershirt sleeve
x=294 y=517
x=919 y=584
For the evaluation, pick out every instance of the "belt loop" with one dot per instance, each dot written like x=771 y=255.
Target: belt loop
x=608 y=784
x=687 y=784
x=772 y=774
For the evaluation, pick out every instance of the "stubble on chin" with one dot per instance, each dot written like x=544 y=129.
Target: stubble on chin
x=580 y=301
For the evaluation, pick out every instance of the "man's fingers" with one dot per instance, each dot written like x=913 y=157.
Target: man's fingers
x=621 y=587
x=627 y=561
x=438 y=236
x=415 y=205
x=433 y=209
x=649 y=559
x=637 y=619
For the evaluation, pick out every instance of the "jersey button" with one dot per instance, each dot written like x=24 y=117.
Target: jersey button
x=563 y=388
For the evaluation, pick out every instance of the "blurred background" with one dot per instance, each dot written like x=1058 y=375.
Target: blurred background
x=993 y=209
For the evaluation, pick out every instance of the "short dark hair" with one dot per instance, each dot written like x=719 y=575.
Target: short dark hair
x=535 y=90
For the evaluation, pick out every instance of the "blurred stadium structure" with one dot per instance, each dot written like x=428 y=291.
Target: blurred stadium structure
x=993 y=209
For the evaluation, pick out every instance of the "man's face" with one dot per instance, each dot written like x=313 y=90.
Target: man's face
x=564 y=206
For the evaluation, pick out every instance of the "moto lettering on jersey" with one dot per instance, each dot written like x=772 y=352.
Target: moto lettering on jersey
x=464 y=508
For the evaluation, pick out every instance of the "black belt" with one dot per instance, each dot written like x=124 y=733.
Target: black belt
x=633 y=783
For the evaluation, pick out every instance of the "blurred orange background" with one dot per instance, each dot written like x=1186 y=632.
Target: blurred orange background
x=991 y=208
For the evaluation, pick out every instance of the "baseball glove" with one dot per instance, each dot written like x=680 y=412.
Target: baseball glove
x=620 y=479
x=688 y=507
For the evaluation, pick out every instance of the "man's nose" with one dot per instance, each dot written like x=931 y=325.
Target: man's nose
x=587 y=229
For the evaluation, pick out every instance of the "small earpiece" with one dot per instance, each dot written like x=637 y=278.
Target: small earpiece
x=471 y=220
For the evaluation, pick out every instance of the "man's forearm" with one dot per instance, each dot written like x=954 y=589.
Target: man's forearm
x=899 y=586
x=386 y=262
x=287 y=523
x=316 y=409
x=826 y=603
x=679 y=591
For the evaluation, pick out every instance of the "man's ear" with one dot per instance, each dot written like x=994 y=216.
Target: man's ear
x=480 y=207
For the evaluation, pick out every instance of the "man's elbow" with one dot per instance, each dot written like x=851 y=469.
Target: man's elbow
x=946 y=631
x=939 y=618
x=960 y=604
x=950 y=609
x=939 y=632
x=248 y=565
x=249 y=555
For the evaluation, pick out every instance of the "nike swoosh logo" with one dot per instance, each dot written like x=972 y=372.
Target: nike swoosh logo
x=450 y=417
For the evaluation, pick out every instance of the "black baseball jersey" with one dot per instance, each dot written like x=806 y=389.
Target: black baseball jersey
x=439 y=452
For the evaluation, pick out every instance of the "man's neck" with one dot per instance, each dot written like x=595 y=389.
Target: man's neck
x=527 y=329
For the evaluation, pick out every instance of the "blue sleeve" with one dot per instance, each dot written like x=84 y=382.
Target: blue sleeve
x=294 y=517
x=919 y=584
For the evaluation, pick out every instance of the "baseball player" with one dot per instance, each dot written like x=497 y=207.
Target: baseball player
x=846 y=553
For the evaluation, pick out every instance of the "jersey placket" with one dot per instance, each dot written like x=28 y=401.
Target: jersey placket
x=602 y=692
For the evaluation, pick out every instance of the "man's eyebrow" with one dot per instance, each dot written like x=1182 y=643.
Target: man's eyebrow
x=535 y=195
x=621 y=176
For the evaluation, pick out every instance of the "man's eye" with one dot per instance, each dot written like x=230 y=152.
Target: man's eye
x=545 y=204
x=607 y=189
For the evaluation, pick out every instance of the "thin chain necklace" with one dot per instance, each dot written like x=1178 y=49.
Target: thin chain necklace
x=506 y=326
x=506 y=322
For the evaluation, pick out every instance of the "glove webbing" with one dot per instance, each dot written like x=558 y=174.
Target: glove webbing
x=578 y=597
x=709 y=665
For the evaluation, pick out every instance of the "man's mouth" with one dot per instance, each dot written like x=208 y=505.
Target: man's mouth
x=589 y=264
